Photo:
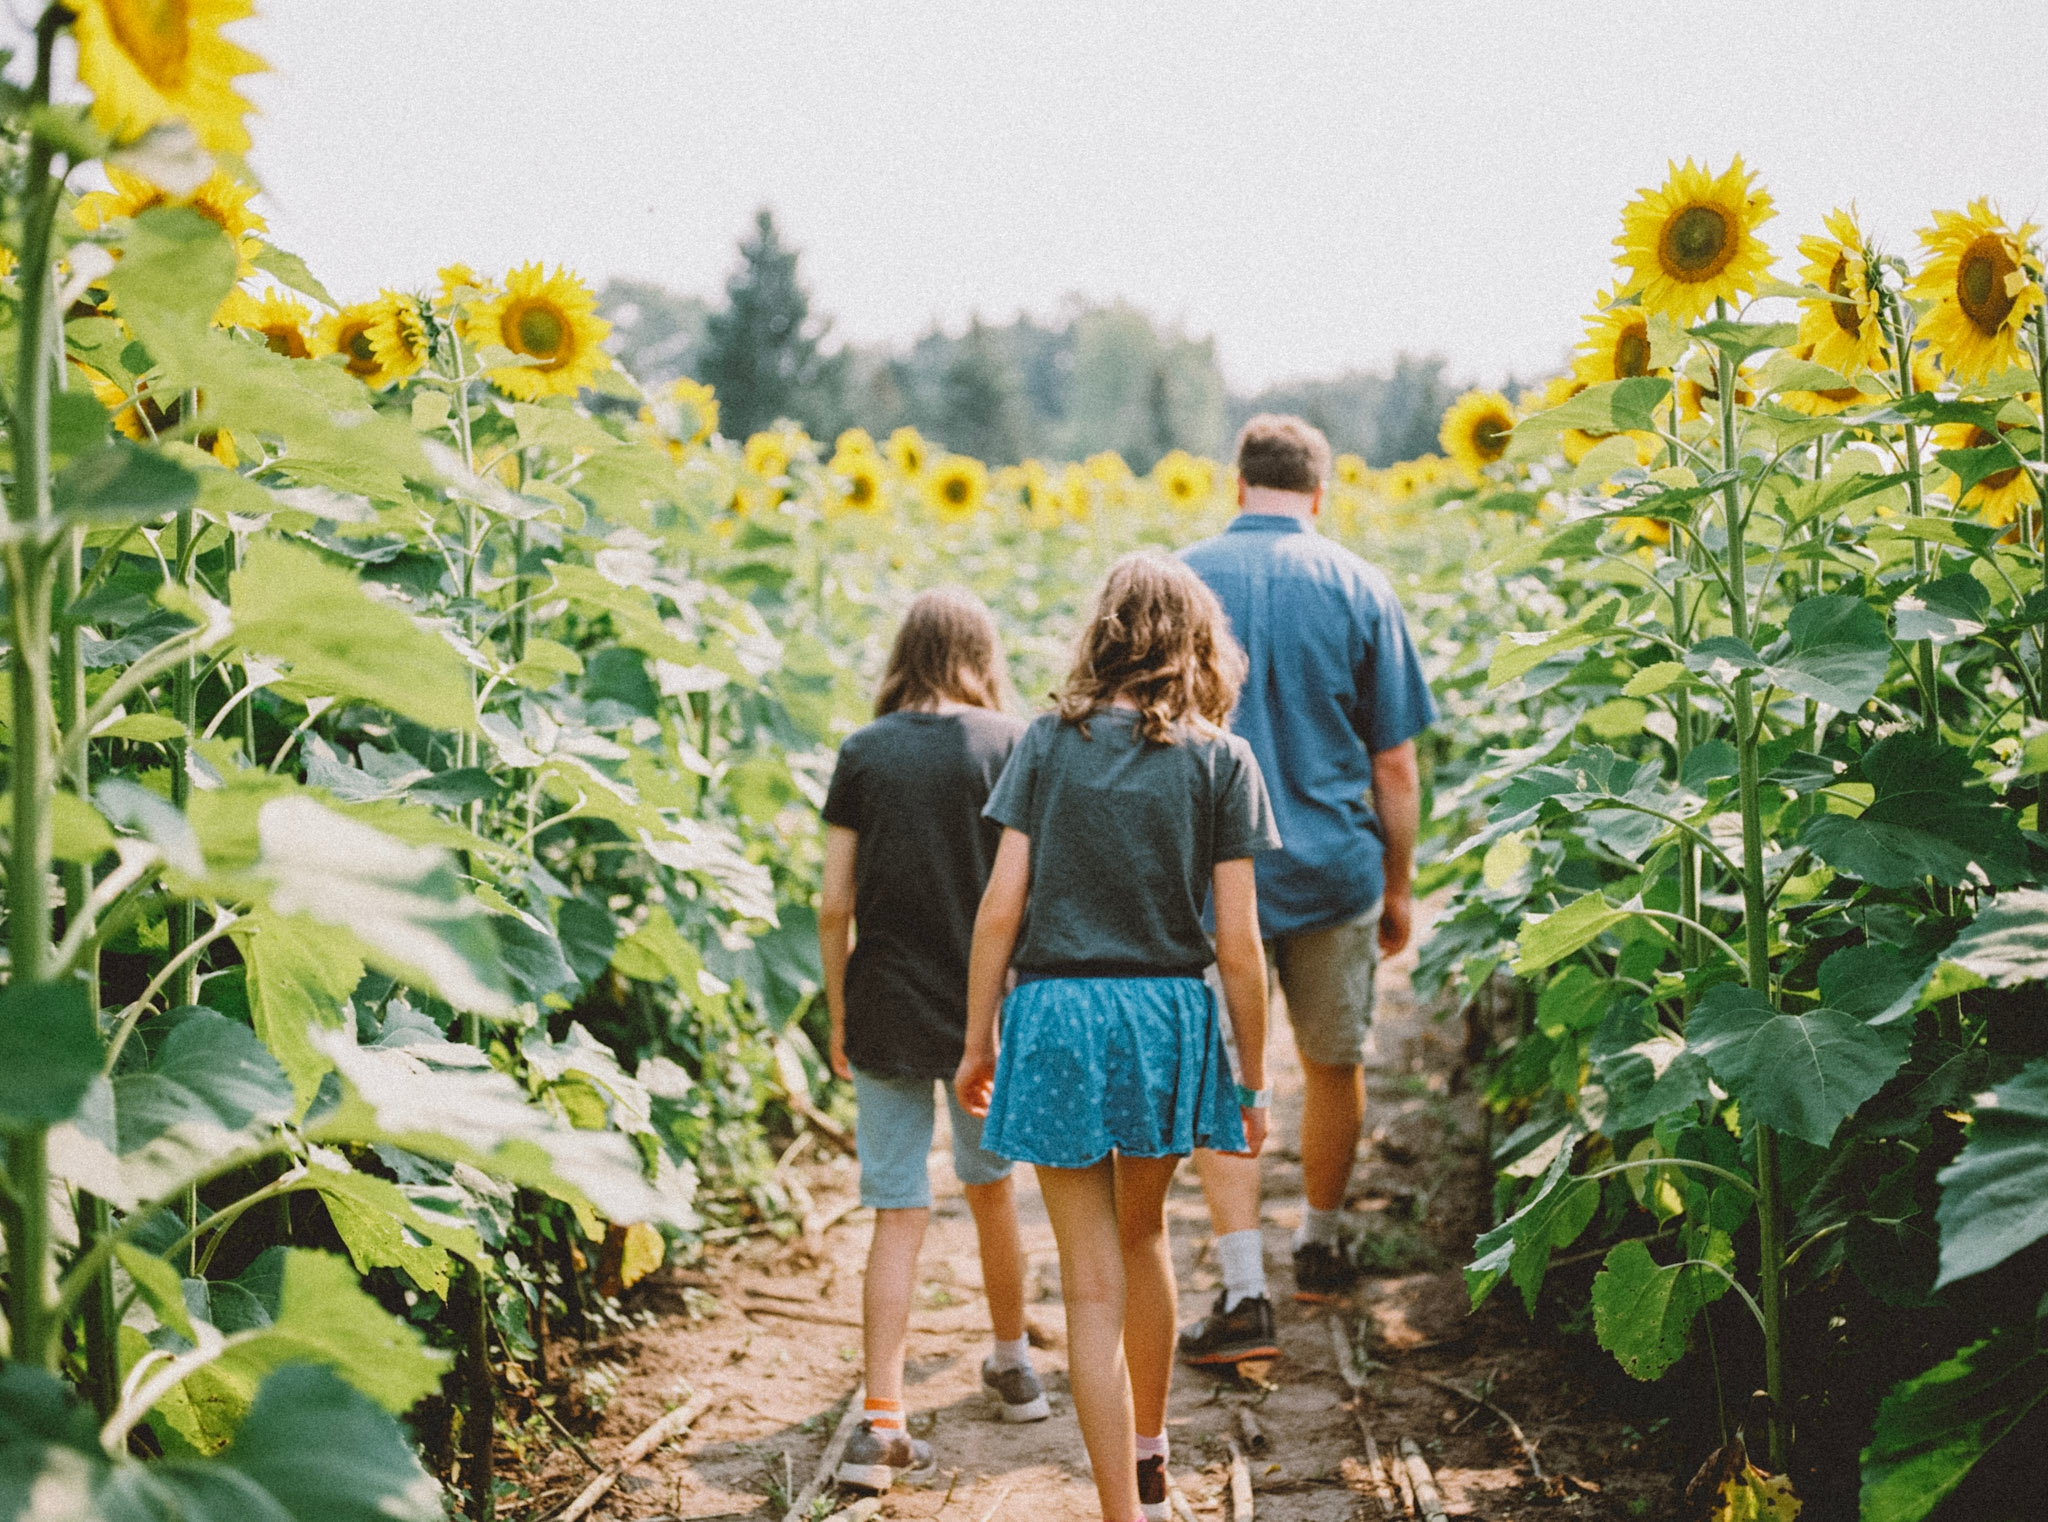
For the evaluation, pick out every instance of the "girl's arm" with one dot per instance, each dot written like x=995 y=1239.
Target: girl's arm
x=995 y=939
x=1241 y=964
x=835 y=938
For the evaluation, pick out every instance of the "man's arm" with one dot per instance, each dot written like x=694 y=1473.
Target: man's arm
x=1397 y=799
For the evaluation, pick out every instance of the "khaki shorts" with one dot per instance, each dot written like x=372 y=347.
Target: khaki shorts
x=1327 y=977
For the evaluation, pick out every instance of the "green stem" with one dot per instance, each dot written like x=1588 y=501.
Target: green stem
x=1926 y=669
x=185 y=708
x=2040 y=515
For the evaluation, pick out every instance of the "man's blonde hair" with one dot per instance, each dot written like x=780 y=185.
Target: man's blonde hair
x=1282 y=452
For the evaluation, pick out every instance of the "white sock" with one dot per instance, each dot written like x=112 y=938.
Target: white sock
x=1320 y=1226
x=1151 y=1447
x=1242 y=1255
x=1013 y=1355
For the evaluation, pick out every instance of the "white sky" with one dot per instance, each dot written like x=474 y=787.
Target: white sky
x=1319 y=185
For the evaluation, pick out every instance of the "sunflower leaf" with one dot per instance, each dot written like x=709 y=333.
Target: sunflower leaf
x=1943 y=611
x=1612 y=407
x=1973 y=466
x=1739 y=340
x=1835 y=651
x=1994 y=1196
x=1934 y=1427
x=1928 y=817
x=1800 y=1074
x=288 y=269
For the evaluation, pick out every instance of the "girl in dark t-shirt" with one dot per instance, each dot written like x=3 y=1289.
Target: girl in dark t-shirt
x=1123 y=813
x=907 y=854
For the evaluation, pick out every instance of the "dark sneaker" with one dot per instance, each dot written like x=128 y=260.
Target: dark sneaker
x=1321 y=1270
x=1021 y=1395
x=1152 y=1489
x=876 y=1460
x=1231 y=1336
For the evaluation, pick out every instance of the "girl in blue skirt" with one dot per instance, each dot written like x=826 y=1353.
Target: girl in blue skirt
x=1123 y=812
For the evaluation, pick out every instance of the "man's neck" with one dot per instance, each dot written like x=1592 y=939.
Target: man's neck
x=1271 y=502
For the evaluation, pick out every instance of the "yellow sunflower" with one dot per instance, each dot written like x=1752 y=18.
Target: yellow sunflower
x=1616 y=345
x=460 y=285
x=1644 y=530
x=1999 y=497
x=908 y=452
x=347 y=333
x=1693 y=240
x=1699 y=389
x=1185 y=481
x=1076 y=500
x=1041 y=497
x=696 y=410
x=550 y=319
x=142 y=418
x=398 y=336
x=283 y=324
x=858 y=474
x=1978 y=278
x=1108 y=467
x=223 y=200
x=768 y=454
x=1349 y=469
x=153 y=61
x=1400 y=481
x=1843 y=333
x=1475 y=430
x=955 y=486
x=855 y=441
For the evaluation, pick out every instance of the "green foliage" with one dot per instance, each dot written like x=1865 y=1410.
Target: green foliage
x=1933 y=1428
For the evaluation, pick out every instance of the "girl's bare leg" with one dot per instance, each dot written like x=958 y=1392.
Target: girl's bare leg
x=1151 y=1300
x=1081 y=1203
x=1002 y=1254
x=885 y=1297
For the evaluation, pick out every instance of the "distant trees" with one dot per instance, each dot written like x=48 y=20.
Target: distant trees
x=1093 y=377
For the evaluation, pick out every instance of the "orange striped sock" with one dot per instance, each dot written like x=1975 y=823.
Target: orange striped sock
x=883 y=1414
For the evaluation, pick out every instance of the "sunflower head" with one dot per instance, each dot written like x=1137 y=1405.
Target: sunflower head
x=347 y=333
x=1692 y=241
x=769 y=453
x=1999 y=497
x=1077 y=501
x=1841 y=329
x=696 y=410
x=908 y=452
x=222 y=199
x=1699 y=389
x=1349 y=469
x=550 y=321
x=855 y=441
x=1183 y=480
x=1616 y=345
x=1646 y=531
x=858 y=474
x=457 y=286
x=955 y=487
x=1475 y=430
x=398 y=336
x=1982 y=283
x=148 y=62
x=284 y=325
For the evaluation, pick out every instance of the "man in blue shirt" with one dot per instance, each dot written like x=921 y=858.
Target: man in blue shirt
x=1331 y=706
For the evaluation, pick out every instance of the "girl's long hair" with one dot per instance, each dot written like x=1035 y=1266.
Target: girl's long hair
x=946 y=650
x=1158 y=638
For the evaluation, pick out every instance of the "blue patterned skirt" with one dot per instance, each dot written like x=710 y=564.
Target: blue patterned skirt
x=1091 y=1066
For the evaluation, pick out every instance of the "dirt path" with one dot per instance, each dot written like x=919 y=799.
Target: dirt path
x=1423 y=1191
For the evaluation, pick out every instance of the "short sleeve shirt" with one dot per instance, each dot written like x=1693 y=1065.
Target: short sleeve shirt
x=912 y=786
x=1334 y=678
x=1125 y=836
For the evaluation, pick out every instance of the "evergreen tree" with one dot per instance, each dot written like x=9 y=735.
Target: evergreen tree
x=981 y=403
x=761 y=352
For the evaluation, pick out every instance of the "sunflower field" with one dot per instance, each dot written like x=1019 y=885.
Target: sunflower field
x=415 y=732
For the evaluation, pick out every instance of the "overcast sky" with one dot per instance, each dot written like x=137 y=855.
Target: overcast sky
x=1318 y=185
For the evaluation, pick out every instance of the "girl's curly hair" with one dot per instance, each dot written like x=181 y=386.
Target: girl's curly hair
x=1158 y=638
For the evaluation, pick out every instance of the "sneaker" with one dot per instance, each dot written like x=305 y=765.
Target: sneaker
x=1231 y=1336
x=1322 y=1270
x=1022 y=1396
x=876 y=1460
x=1152 y=1490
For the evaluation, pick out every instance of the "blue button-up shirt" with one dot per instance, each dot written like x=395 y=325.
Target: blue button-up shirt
x=1334 y=678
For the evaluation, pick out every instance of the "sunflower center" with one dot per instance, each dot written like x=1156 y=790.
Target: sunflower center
x=1490 y=434
x=1980 y=283
x=538 y=330
x=1848 y=317
x=1697 y=244
x=155 y=35
x=956 y=490
x=287 y=340
x=863 y=489
x=355 y=343
x=1632 y=351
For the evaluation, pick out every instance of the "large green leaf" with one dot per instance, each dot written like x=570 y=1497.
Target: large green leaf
x=208 y=1073
x=1520 y=1247
x=121 y=482
x=1548 y=939
x=1944 y=611
x=1799 y=1074
x=1930 y=818
x=1994 y=1196
x=291 y=605
x=321 y=1315
x=49 y=1053
x=300 y=975
x=1932 y=1429
x=382 y=1228
x=1642 y=1309
x=1611 y=407
x=1644 y=1071
x=310 y=1450
x=2007 y=943
x=1835 y=651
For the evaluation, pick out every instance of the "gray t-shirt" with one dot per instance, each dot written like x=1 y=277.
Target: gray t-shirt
x=1124 y=838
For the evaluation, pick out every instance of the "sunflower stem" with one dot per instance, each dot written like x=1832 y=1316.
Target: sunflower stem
x=1926 y=672
x=2040 y=514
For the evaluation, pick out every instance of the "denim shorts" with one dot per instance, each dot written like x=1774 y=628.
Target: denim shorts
x=893 y=1133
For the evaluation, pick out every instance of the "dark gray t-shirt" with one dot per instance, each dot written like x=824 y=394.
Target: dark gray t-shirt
x=912 y=786
x=1124 y=838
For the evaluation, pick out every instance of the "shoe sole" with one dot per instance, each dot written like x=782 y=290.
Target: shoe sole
x=1324 y=1296
x=1031 y=1411
x=1157 y=1511
x=1242 y=1353
x=874 y=1477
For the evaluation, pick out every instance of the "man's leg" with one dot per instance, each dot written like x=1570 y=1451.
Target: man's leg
x=1332 y=1120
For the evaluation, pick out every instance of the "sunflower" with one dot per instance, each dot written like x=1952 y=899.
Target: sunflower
x=153 y=61
x=550 y=319
x=1108 y=467
x=398 y=336
x=768 y=454
x=1840 y=330
x=1700 y=389
x=1693 y=241
x=1401 y=481
x=222 y=199
x=1982 y=288
x=347 y=333
x=1076 y=500
x=1475 y=430
x=283 y=324
x=853 y=441
x=859 y=472
x=1999 y=497
x=696 y=410
x=1186 y=481
x=1644 y=530
x=1349 y=469
x=144 y=419
x=1041 y=497
x=1616 y=345
x=460 y=285
x=908 y=452
x=955 y=486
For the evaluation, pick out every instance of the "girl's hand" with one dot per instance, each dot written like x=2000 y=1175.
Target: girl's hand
x=1254 y=1129
x=974 y=1080
x=840 y=1066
